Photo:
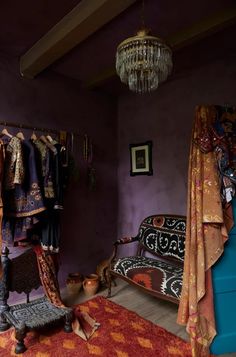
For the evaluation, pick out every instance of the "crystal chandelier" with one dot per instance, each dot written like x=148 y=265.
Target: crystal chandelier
x=143 y=61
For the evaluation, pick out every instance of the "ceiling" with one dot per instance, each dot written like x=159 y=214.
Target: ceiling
x=92 y=61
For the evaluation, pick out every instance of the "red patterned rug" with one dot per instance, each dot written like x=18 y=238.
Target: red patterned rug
x=122 y=334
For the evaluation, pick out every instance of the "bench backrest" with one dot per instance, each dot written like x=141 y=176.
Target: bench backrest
x=164 y=235
x=23 y=273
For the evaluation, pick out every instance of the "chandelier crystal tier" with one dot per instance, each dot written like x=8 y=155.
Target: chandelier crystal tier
x=143 y=61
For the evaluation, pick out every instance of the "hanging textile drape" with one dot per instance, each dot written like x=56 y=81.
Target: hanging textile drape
x=48 y=275
x=209 y=218
x=83 y=324
x=2 y=156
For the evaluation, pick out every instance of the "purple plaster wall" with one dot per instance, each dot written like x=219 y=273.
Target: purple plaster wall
x=207 y=76
x=89 y=220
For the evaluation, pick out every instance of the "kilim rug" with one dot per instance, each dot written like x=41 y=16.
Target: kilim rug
x=122 y=334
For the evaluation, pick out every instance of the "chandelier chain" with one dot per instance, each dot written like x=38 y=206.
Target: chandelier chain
x=142 y=15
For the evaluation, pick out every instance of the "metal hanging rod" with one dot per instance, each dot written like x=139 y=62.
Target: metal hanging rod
x=30 y=127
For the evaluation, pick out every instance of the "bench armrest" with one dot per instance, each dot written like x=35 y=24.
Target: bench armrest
x=126 y=240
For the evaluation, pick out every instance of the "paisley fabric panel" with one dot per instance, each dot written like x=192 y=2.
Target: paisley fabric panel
x=152 y=274
x=164 y=235
x=175 y=224
x=164 y=243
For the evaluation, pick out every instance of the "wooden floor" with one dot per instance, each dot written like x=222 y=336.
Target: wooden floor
x=162 y=313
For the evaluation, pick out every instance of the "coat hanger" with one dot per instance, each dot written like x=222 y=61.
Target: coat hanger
x=20 y=135
x=44 y=139
x=49 y=138
x=5 y=132
x=48 y=144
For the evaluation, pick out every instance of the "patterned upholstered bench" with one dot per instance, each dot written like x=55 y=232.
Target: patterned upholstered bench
x=157 y=266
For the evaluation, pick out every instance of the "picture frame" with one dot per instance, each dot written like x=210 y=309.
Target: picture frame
x=141 y=159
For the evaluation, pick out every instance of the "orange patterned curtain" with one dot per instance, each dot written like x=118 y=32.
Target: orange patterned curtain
x=2 y=157
x=209 y=218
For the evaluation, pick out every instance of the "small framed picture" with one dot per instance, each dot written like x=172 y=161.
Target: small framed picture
x=141 y=159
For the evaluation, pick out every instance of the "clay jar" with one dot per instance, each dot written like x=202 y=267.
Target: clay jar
x=74 y=282
x=91 y=284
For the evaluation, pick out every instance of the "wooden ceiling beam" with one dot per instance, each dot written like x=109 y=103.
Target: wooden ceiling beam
x=86 y=18
x=202 y=29
x=187 y=36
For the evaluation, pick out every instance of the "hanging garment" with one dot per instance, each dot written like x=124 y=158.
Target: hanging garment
x=32 y=204
x=50 y=228
x=18 y=229
x=83 y=325
x=50 y=219
x=14 y=164
x=207 y=227
x=48 y=269
x=2 y=156
x=23 y=202
x=46 y=158
x=26 y=198
x=220 y=136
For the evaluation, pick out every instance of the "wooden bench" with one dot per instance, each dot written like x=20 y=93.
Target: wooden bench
x=157 y=265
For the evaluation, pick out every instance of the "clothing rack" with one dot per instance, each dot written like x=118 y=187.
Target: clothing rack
x=30 y=127
x=73 y=135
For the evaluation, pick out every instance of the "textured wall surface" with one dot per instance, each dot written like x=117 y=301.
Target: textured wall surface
x=166 y=118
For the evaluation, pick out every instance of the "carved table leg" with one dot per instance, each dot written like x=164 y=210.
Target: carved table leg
x=68 y=322
x=4 y=325
x=108 y=276
x=4 y=294
x=20 y=334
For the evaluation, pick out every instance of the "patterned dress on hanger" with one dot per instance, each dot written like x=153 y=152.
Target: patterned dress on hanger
x=23 y=200
x=50 y=219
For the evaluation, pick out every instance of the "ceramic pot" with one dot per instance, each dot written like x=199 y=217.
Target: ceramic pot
x=74 y=282
x=91 y=284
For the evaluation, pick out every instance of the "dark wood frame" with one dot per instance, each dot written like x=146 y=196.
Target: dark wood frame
x=145 y=151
